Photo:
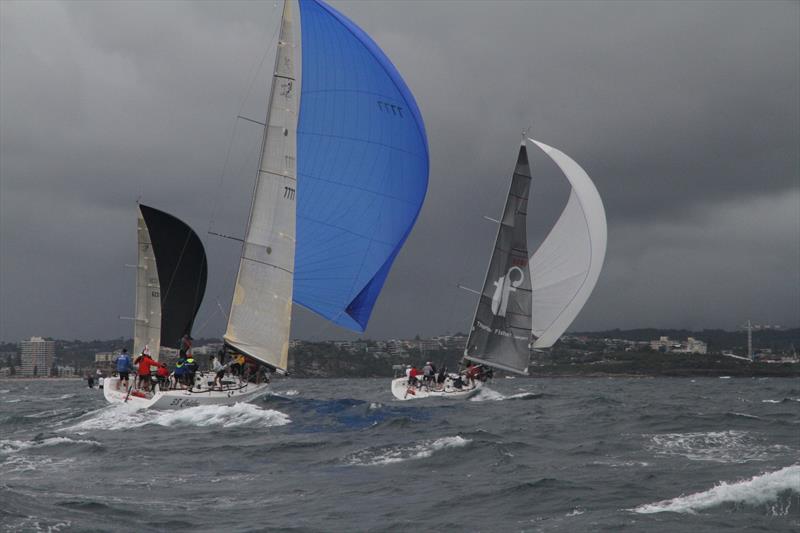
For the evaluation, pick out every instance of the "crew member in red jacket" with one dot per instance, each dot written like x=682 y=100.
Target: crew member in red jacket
x=143 y=373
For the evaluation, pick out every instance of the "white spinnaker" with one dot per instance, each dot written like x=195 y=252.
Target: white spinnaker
x=147 y=318
x=261 y=311
x=565 y=268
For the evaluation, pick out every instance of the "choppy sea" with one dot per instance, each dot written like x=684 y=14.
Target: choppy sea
x=341 y=455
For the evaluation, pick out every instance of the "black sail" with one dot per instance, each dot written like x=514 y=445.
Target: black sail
x=501 y=332
x=182 y=272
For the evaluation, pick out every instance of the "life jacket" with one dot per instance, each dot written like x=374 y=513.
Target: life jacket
x=191 y=366
x=163 y=371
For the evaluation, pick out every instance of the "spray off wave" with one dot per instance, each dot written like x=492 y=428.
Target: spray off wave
x=766 y=489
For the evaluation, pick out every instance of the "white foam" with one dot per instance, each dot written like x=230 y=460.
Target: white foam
x=576 y=512
x=120 y=417
x=291 y=392
x=5 y=391
x=758 y=490
x=771 y=401
x=22 y=463
x=13 y=446
x=715 y=446
x=486 y=394
x=407 y=452
x=13 y=401
x=34 y=523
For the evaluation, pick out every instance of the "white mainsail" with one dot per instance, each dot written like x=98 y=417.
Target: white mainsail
x=147 y=318
x=565 y=268
x=261 y=310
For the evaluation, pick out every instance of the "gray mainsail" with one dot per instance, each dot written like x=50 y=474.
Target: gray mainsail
x=501 y=332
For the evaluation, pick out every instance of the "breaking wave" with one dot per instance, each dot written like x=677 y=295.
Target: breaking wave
x=118 y=417
x=715 y=446
x=775 y=490
x=395 y=454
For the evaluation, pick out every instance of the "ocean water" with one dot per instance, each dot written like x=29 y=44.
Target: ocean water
x=341 y=455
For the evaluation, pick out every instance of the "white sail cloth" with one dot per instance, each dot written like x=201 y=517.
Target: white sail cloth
x=147 y=319
x=261 y=310
x=565 y=268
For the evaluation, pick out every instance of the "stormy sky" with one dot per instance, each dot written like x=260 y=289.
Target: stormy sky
x=685 y=114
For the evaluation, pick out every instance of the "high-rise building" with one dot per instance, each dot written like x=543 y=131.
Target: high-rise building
x=37 y=357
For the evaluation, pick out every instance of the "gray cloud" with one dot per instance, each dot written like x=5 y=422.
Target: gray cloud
x=686 y=115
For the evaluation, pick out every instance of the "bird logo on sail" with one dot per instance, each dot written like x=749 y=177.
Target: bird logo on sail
x=503 y=288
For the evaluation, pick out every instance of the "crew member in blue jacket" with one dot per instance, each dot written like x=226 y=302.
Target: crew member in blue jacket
x=123 y=367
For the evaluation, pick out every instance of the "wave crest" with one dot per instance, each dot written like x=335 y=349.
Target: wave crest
x=395 y=454
x=774 y=489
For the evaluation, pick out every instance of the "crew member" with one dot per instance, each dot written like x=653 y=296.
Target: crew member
x=123 y=368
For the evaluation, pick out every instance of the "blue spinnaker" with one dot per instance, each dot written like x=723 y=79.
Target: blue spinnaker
x=362 y=165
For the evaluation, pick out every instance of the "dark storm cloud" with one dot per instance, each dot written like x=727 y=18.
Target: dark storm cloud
x=685 y=115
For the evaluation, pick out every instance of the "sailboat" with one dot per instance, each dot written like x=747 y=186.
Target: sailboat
x=342 y=177
x=528 y=301
x=171 y=275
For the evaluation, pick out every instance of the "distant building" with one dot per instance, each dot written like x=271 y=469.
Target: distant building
x=37 y=357
x=426 y=345
x=104 y=357
x=696 y=346
x=690 y=345
x=65 y=371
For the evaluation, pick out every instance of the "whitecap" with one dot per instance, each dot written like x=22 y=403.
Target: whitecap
x=758 y=490
x=291 y=392
x=575 y=512
x=487 y=394
x=13 y=446
x=13 y=401
x=120 y=417
x=5 y=391
x=716 y=446
x=771 y=401
x=406 y=452
x=22 y=463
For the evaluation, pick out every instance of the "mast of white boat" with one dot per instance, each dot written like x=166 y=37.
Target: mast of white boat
x=260 y=316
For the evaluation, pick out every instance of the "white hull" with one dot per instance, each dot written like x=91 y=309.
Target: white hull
x=402 y=391
x=182 y=399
